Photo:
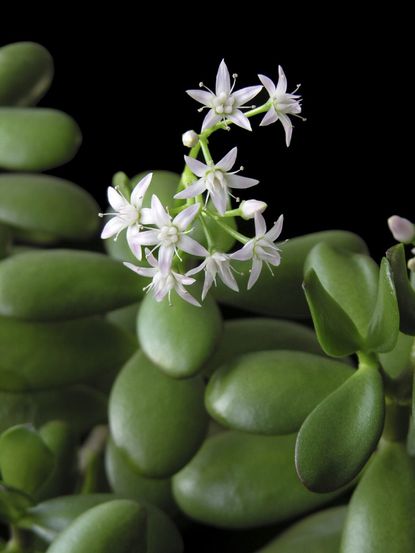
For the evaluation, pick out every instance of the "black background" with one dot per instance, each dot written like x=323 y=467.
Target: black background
x=348 y=164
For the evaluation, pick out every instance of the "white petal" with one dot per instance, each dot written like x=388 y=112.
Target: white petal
x=146 y=216
x=151 y=259
x=275 y=231
x=201 y=96
x=288 y=127
x=235 y=181
x=268 y=84
x=185 y=217
x=196 y=166
x=183 y=279
x=197 y=269
x=240 y=119
x=270 y=117
x=114 y=226
x=207 y=284
x=115 y=199
x=143 y=271
x=132 y=234
x=244 y=253
x=219 y=199
x=260 y=225
x=165 y=258
x=161 y=217
x=246 y=94
x=198 y=187
x=223 y=79
x=189 y=245
x=211 y=118
x=227 y=277
x=147 y=237
x=282 y=82
x=140 y=189
x=227 y=162
x=255 y=272
x=184 y=294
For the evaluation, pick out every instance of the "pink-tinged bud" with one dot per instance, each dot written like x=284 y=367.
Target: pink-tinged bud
x=190 y=139
x=250 y=207
x=402 y=229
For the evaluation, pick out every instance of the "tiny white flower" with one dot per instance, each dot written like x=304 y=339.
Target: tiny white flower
x=216 y=179
x=283 y=103
x=171 y=235
x=190 y=139
x=224 y=103
x=250 y=207
x=402 y=229
x=261 y=248
x=215 y=263
x=164 y=281
x=411 y=262
x=128 y=215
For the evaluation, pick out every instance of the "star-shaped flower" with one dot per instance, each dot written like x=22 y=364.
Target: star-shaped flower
x=224 y=103
x=171 y=235
x=128 y=215
x=164 y=281
x=261 y=248
x=215 y=263
x=216 y=179
x=283 y=103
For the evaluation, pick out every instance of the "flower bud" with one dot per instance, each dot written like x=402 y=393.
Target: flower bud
x=402 y=229
x=250 y=207
x=190 y=139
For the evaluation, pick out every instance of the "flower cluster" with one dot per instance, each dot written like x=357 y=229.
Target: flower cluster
x=205 y=195
x=403 y=231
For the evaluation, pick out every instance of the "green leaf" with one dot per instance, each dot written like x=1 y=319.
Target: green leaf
x=13 y=504
x=5 y=241
x=272 y=392
x=25 y=460
x=338 y=437
x=381 y=513
x=404 y=290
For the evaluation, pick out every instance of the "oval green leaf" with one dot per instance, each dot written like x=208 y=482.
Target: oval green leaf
x=272 y=392
x=404 y=289
x=148 y=414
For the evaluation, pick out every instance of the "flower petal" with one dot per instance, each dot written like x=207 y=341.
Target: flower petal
x=207 y=284
x=223 y=79
x=201 y=96
x=255 y=272
x=246 y=94
x=288 y=127
x=240 y=119
x=268 y=84
x=260 y=225
x=197 y=269
x=275 y=231
x=270 y=117
x=190 y=245
x=115 y=199
x=227 y=277
x=235 y=181
x=142 y=271
x=165 y=258
x=211 y=118
x=161 y=217
x=282 y=81
x=151 y=259
x=219 y=199
x=146 y=216
x=113 y=226
x=198 y=187
x=196 y=166
x=244 y=253
x=132 y=233
x=185 y=217
x=184 y=294
x=147 y=237
x=139 y=190
x=228 y=161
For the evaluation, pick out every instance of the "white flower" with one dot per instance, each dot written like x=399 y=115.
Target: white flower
x=216 y=263
x=216 y=179
x=283 y=103
x=190 y=139
x=250 y=207
x=128 y=215
x=224 y=103
x=164 y=281
x=402 y=229
x=171 y=234
x=261 y=248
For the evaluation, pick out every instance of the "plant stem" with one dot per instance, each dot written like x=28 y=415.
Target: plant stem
x=209 y=239
x=237 y=235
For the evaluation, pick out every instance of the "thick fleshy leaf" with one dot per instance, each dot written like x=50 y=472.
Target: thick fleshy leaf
x=272 y=392
x=37 y=139
x=15 y=409
x=148 y=412
x=80 y=283
x=396 y=365
x=179 y=338
x=381 y=513
x=36 y=356
x=48 y=204
x=239 y=480
x=122 y=528
x=25 y=460
x=13 y=504
x=26 y=72
x=282 y=295
x=317 y=533
x=125 y=318
x=404 y=289
x=339 y=436
x=5 y=241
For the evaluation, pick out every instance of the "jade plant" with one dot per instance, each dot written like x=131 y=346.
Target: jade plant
x=133 y=414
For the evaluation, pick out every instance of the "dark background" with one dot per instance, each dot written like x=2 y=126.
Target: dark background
x=348 y=166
